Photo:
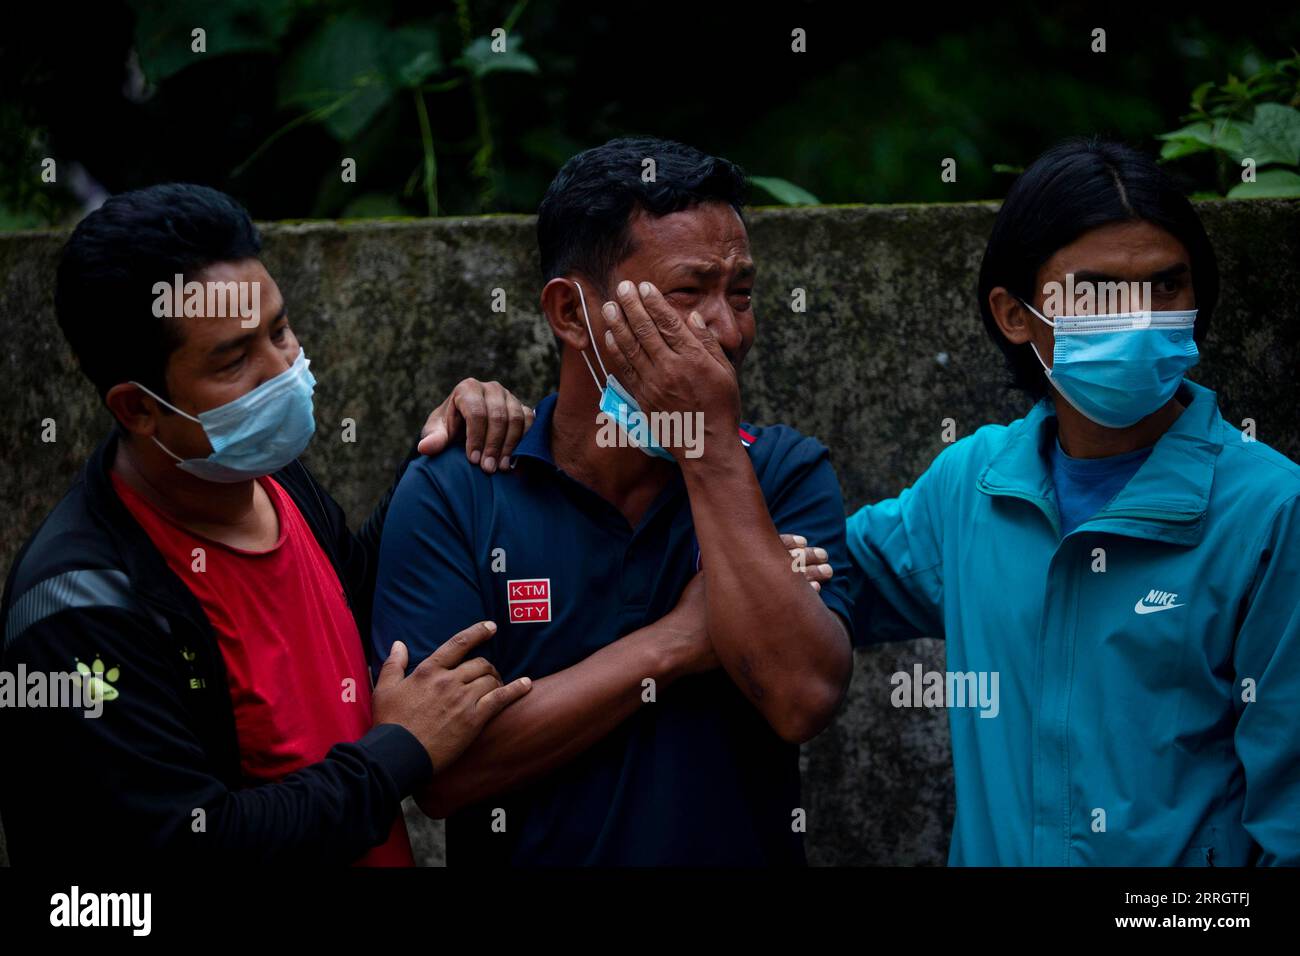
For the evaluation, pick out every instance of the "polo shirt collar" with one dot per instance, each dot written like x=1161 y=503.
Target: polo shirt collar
x=536 y=442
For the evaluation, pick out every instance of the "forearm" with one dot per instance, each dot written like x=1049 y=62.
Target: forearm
x=143 y=775
x=329 y=812
x=174 y=805
x=772 y=633
x=563 y=715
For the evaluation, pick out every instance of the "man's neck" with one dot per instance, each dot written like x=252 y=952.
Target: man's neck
x=626 y=477
x=191 y=502
x=1081 y=437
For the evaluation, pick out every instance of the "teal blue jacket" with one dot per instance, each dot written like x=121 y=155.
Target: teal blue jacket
x=1148 y=663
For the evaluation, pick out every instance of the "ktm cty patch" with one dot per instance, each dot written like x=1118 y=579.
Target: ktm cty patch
x=529 y=601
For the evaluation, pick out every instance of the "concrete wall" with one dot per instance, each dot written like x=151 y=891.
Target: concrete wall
x=394 y=313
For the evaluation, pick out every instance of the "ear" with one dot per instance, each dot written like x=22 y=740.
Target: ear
x=1011 y=316
x=134 y=409
x=563 y=309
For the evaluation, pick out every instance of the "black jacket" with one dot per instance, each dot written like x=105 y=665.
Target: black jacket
x=157 y=774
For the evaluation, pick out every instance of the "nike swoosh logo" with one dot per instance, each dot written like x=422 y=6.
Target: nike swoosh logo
x=1141 y=608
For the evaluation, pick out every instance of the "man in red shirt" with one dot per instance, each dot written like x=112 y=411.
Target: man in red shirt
x=207 y=591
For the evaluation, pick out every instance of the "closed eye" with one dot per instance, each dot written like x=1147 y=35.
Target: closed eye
x=686 y=295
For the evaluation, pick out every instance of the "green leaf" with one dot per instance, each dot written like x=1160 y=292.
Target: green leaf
x=342 y=63
x=1269 y=184
x=1198 y=95
x=411 y=56
x=163 y=31
x=1224 y=135
x=1273 y=136
x=480 y=59
x=1178 y=148
x=1236 y=88
x=784 y=191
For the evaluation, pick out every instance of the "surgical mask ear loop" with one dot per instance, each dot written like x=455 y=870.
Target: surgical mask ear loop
x=592 y=335
x=1047 y=372
x=1039 y=314
x=154 y=439
x=1031 y=344
x=163 y=401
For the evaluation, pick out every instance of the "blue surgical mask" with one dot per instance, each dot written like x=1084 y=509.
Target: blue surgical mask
x=1117 y=369
x=258 y=433
x=617 y=402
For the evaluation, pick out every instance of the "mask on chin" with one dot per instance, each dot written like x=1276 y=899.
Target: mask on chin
x=617 y=402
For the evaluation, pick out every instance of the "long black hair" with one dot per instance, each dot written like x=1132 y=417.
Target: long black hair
x=1076 y=186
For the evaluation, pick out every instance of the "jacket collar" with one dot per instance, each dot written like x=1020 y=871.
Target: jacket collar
x=151 y=577
x=1166 y=500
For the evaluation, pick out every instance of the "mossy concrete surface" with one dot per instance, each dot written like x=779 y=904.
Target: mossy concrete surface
x=889 y=346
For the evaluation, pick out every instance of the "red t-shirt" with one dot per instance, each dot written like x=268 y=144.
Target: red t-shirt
x=289 y=642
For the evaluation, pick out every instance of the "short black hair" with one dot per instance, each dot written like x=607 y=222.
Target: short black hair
x=1076 y=186
x=582 y=223
x=104 y=290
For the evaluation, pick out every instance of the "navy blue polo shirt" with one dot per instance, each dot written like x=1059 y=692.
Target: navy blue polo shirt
x=695 y=778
